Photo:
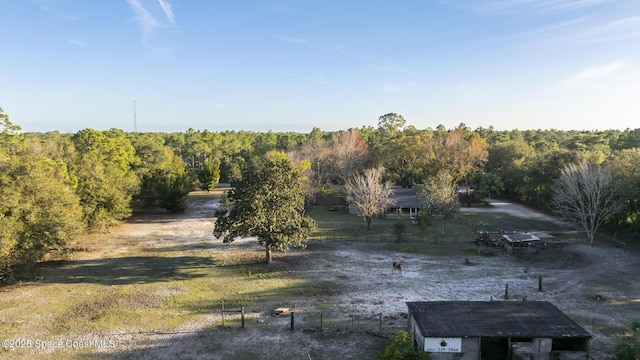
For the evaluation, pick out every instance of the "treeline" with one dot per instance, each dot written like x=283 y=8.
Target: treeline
x=55 y=186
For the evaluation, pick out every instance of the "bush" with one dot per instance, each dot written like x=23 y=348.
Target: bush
x=629 y=347
x=401 y=349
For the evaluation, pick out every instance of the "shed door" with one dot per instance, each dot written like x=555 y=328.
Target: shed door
x=494 y=348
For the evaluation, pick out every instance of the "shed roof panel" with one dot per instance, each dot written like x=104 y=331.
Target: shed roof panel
x=493 y=319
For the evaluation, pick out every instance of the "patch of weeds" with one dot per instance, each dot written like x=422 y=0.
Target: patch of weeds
x=262 y=273
x=323 y=305
x=101 y=312
x=402 y=248
x=533 y=257
x=470 y=251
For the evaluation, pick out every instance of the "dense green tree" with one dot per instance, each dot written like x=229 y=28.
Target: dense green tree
x=104 y=166
x=510 y=160
x=391 y=124
x=195 y=147
x=171 y=188
x=406 y=158
x=209 y=174
x=39 y=211
x=231 y=169
x=487 y=184
x=267 y=203
x=625 y=167
x=155 y=157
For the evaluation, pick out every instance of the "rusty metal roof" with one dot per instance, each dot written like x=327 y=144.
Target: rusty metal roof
x=493 y=319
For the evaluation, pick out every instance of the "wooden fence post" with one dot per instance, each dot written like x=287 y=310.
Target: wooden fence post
x=540 y=283
x=222 y=306
x=293 y=316
x=242 y=316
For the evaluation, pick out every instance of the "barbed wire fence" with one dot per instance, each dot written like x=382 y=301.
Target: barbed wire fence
x=379 y=324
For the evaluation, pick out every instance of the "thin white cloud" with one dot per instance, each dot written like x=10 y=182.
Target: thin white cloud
x=521 y=6
x=148 y=23
x=594 y=73
x=524 y=7
x=168 y=12
x=622 y=29
x=538 y=34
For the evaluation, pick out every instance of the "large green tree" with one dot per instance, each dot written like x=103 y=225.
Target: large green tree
x=104 y=166
x=171 y=188
x=209 y=174
x=267 y=203
x=39 y=211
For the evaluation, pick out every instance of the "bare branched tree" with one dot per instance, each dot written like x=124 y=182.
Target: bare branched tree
x=440 y=196
x=586 y=195
x=349 y=154
x=369 y=194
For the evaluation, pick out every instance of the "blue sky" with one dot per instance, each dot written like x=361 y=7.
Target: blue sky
x=291 y=65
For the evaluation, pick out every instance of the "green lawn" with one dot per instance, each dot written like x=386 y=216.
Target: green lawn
x=341 y=226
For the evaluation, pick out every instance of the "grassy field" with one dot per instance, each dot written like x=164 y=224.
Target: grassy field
x=339 y=225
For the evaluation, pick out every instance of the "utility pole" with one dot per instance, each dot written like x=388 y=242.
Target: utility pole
x=135 y=124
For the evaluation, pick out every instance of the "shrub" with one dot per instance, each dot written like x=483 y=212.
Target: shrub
x=628 y=348
x=401 y=348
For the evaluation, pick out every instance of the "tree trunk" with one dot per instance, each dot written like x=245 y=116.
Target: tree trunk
x=590 y=236
x=368 y=218
x=268 y=257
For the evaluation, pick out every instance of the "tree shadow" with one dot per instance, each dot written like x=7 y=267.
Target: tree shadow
x=126 y=270
x=254 y=342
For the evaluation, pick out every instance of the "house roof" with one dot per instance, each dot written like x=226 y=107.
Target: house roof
x=493 y=319
x=406 y=198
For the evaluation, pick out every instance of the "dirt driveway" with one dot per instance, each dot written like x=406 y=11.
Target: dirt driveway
x=517 y=210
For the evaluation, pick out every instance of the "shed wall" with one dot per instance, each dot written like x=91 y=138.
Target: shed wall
x=470 y=348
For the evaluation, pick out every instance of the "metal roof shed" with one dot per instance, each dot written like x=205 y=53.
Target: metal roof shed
x=496 y=330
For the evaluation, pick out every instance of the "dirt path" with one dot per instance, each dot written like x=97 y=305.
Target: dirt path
x=517 y=210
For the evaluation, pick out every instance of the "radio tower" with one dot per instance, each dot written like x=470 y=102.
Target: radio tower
x=135 y=125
